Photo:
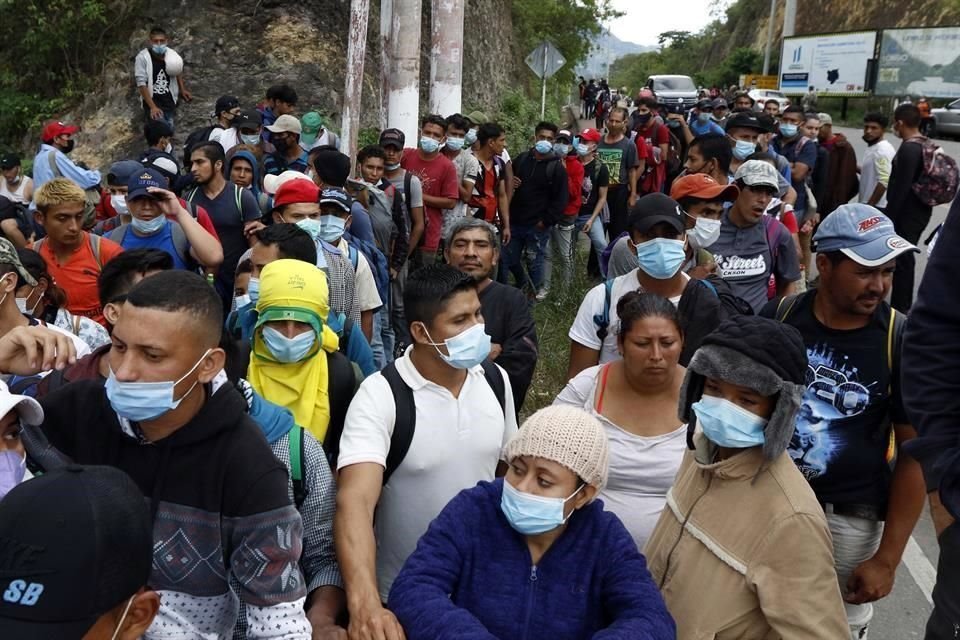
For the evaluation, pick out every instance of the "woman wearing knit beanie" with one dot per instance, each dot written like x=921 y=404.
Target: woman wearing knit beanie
x=533 y=555
x=743 y=549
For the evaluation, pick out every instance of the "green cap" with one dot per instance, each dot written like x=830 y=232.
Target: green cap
x=478 y=118
x=8 y=255
x=312 y=123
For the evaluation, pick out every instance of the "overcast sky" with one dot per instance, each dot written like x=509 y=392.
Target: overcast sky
x=644 y=20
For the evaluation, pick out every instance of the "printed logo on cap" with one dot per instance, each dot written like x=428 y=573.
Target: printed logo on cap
x=296 y=282
x=897 y=242
x=869 y=223
x=146 y=176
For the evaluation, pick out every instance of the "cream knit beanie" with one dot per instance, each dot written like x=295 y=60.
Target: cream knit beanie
x=566 y=435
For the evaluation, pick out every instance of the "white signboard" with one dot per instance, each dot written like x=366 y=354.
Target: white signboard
x=919 y=62
x=832 y=63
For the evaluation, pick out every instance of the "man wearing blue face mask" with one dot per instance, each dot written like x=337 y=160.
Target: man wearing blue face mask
x=467 y=165
x=743 y=525
x=702 y=122
x=801 y=153
x=430 y=424
x=151 y=209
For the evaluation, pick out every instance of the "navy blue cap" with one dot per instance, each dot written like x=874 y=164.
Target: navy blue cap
x=121 y=172
x=337 y=196
x=139 y=182
x=861 y=233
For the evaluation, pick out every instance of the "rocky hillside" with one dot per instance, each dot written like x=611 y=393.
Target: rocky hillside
x=241 y=47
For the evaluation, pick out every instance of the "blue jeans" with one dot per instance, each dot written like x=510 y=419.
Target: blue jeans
x=526 y=240
x=596 y=235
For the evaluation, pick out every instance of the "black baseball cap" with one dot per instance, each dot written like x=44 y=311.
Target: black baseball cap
x=655 y=208
x=248 y=119
x=75 y=543
x=745 y=120
x=225 y=103
x=705 y=104
x=9 y=161
x=392 y=137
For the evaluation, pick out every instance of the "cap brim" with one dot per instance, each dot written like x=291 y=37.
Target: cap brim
x=33 y=630
x=880 y=251
x=726 y=192
x=644 y=224
x=70 y=130
x=138 y=193
x=336 y=202
x=275 y=129
x=761 y=183
x=27 y=408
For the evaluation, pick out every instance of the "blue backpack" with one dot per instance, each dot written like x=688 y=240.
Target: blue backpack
x=376 y=259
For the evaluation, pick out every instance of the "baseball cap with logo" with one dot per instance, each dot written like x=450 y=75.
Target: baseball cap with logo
x=719 y=103
x=9 y=161
x=337 y=196
x=655 y=208
x=225 y=103
x=286 y=124
x=248 y=119
x=86 y=552
x=758 y=173
x=138 y=184
x=55 y=129
x=564 y=134
x=745 y=120
x=311 y=126
x=861 y=233
x=272 y=183
x=8 y=255
x=297 y=190
x=392 y=138
x=590 y=135
x=702 y=187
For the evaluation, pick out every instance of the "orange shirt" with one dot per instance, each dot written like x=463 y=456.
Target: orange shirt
x=78 y=275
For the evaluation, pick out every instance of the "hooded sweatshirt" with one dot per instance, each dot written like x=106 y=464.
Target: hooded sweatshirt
x=220 y=509
x=472 y=577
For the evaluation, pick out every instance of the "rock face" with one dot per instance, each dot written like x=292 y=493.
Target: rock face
x=241 y=47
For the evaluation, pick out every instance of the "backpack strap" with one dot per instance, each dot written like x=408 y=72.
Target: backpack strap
x=95 y=248
x=52 y=160
x=785 y=306
x=76 y=326
x=119 y=234
x=603 y=319
x=295 y=442
x=192 y=194
x=354 y=255
x=898 y=325
x=238 y=197
x=341 y=386
x=495 y=379
x=181 y=244
x=405 y=422
x=38 y=244
x=347 y=325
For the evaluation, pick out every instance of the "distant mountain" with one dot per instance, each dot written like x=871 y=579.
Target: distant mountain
x=606 y=49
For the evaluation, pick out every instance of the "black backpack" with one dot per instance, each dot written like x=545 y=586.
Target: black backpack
x=406 y=416
x=197 y=136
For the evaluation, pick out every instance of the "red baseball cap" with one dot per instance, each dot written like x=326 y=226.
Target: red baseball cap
x=702 y=186
x=55 y=129
x=296 y=191
x=590 y=135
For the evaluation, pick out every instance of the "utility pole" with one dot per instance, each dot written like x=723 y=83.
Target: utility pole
x=766 y=51
x=353 y=86
x=403 y=104
x=446 y=56
x=789 y=18
x=386 y=53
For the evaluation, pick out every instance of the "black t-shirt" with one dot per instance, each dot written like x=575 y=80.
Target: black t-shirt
x=596 y=175
x=843 y=426
x=161 y=84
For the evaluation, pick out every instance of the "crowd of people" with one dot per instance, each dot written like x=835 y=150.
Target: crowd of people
x=265 y=390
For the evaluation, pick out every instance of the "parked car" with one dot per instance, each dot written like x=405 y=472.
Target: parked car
x=946 y=120
x=760 y=96
x=678 y=92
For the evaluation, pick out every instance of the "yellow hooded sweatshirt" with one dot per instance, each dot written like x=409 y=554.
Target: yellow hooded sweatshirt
x=294 y=290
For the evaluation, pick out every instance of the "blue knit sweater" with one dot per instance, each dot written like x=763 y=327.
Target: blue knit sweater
x=472 y=578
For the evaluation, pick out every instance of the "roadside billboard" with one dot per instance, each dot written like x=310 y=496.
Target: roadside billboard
x=919 y=62
x=833 y=63
x=760 y=82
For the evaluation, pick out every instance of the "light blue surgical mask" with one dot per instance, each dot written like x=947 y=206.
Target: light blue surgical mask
x=703 y=117
x=148 y=227
x=288 y=350
x=429 y=145
x=561 y=149
x=240 y=302
x=159 y=49
x=252 y=139
x=140 y=401
x=465 y=350
x=743 y=149
x=311 y=226
x=392 y=166
x=727 y=425
x=455 y=144
x=661 y=258
x=582 y=150
x=531 y=515
x=543 y=147
x=788 y=130
x=471 y=137
x=253 y=290
x=332 y=228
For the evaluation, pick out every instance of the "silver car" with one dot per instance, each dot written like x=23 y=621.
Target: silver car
x=947 y=120
x=760 y=96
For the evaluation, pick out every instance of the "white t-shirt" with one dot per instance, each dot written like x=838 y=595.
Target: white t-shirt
x=641 y=468
x=456 y=444
x=367 y=296
x=875 y=169
x=584 y=329
x=228 y=138
x=468 y=169
x=16 y=193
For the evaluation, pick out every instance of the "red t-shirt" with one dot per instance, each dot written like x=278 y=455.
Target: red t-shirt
x=78 y=275
x=574 y=185
x=439 y=179
x=655 y=173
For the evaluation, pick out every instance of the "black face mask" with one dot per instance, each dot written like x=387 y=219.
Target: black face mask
x=643 y=118
x=69 y=146
x=282 y=144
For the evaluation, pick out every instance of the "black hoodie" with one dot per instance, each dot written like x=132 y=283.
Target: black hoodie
x=220 y=504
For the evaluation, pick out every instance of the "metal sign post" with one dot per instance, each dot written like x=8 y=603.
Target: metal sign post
x=545 y=61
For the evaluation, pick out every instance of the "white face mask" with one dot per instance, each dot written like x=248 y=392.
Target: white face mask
x=168 y=148
x=704 y=233
x=119 y=204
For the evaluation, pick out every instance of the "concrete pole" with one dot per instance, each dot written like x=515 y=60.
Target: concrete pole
x=403 y=105
x=353 y=86
x=446 y=56
x=386 y=54
x=766 y=51
x=789 y=18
